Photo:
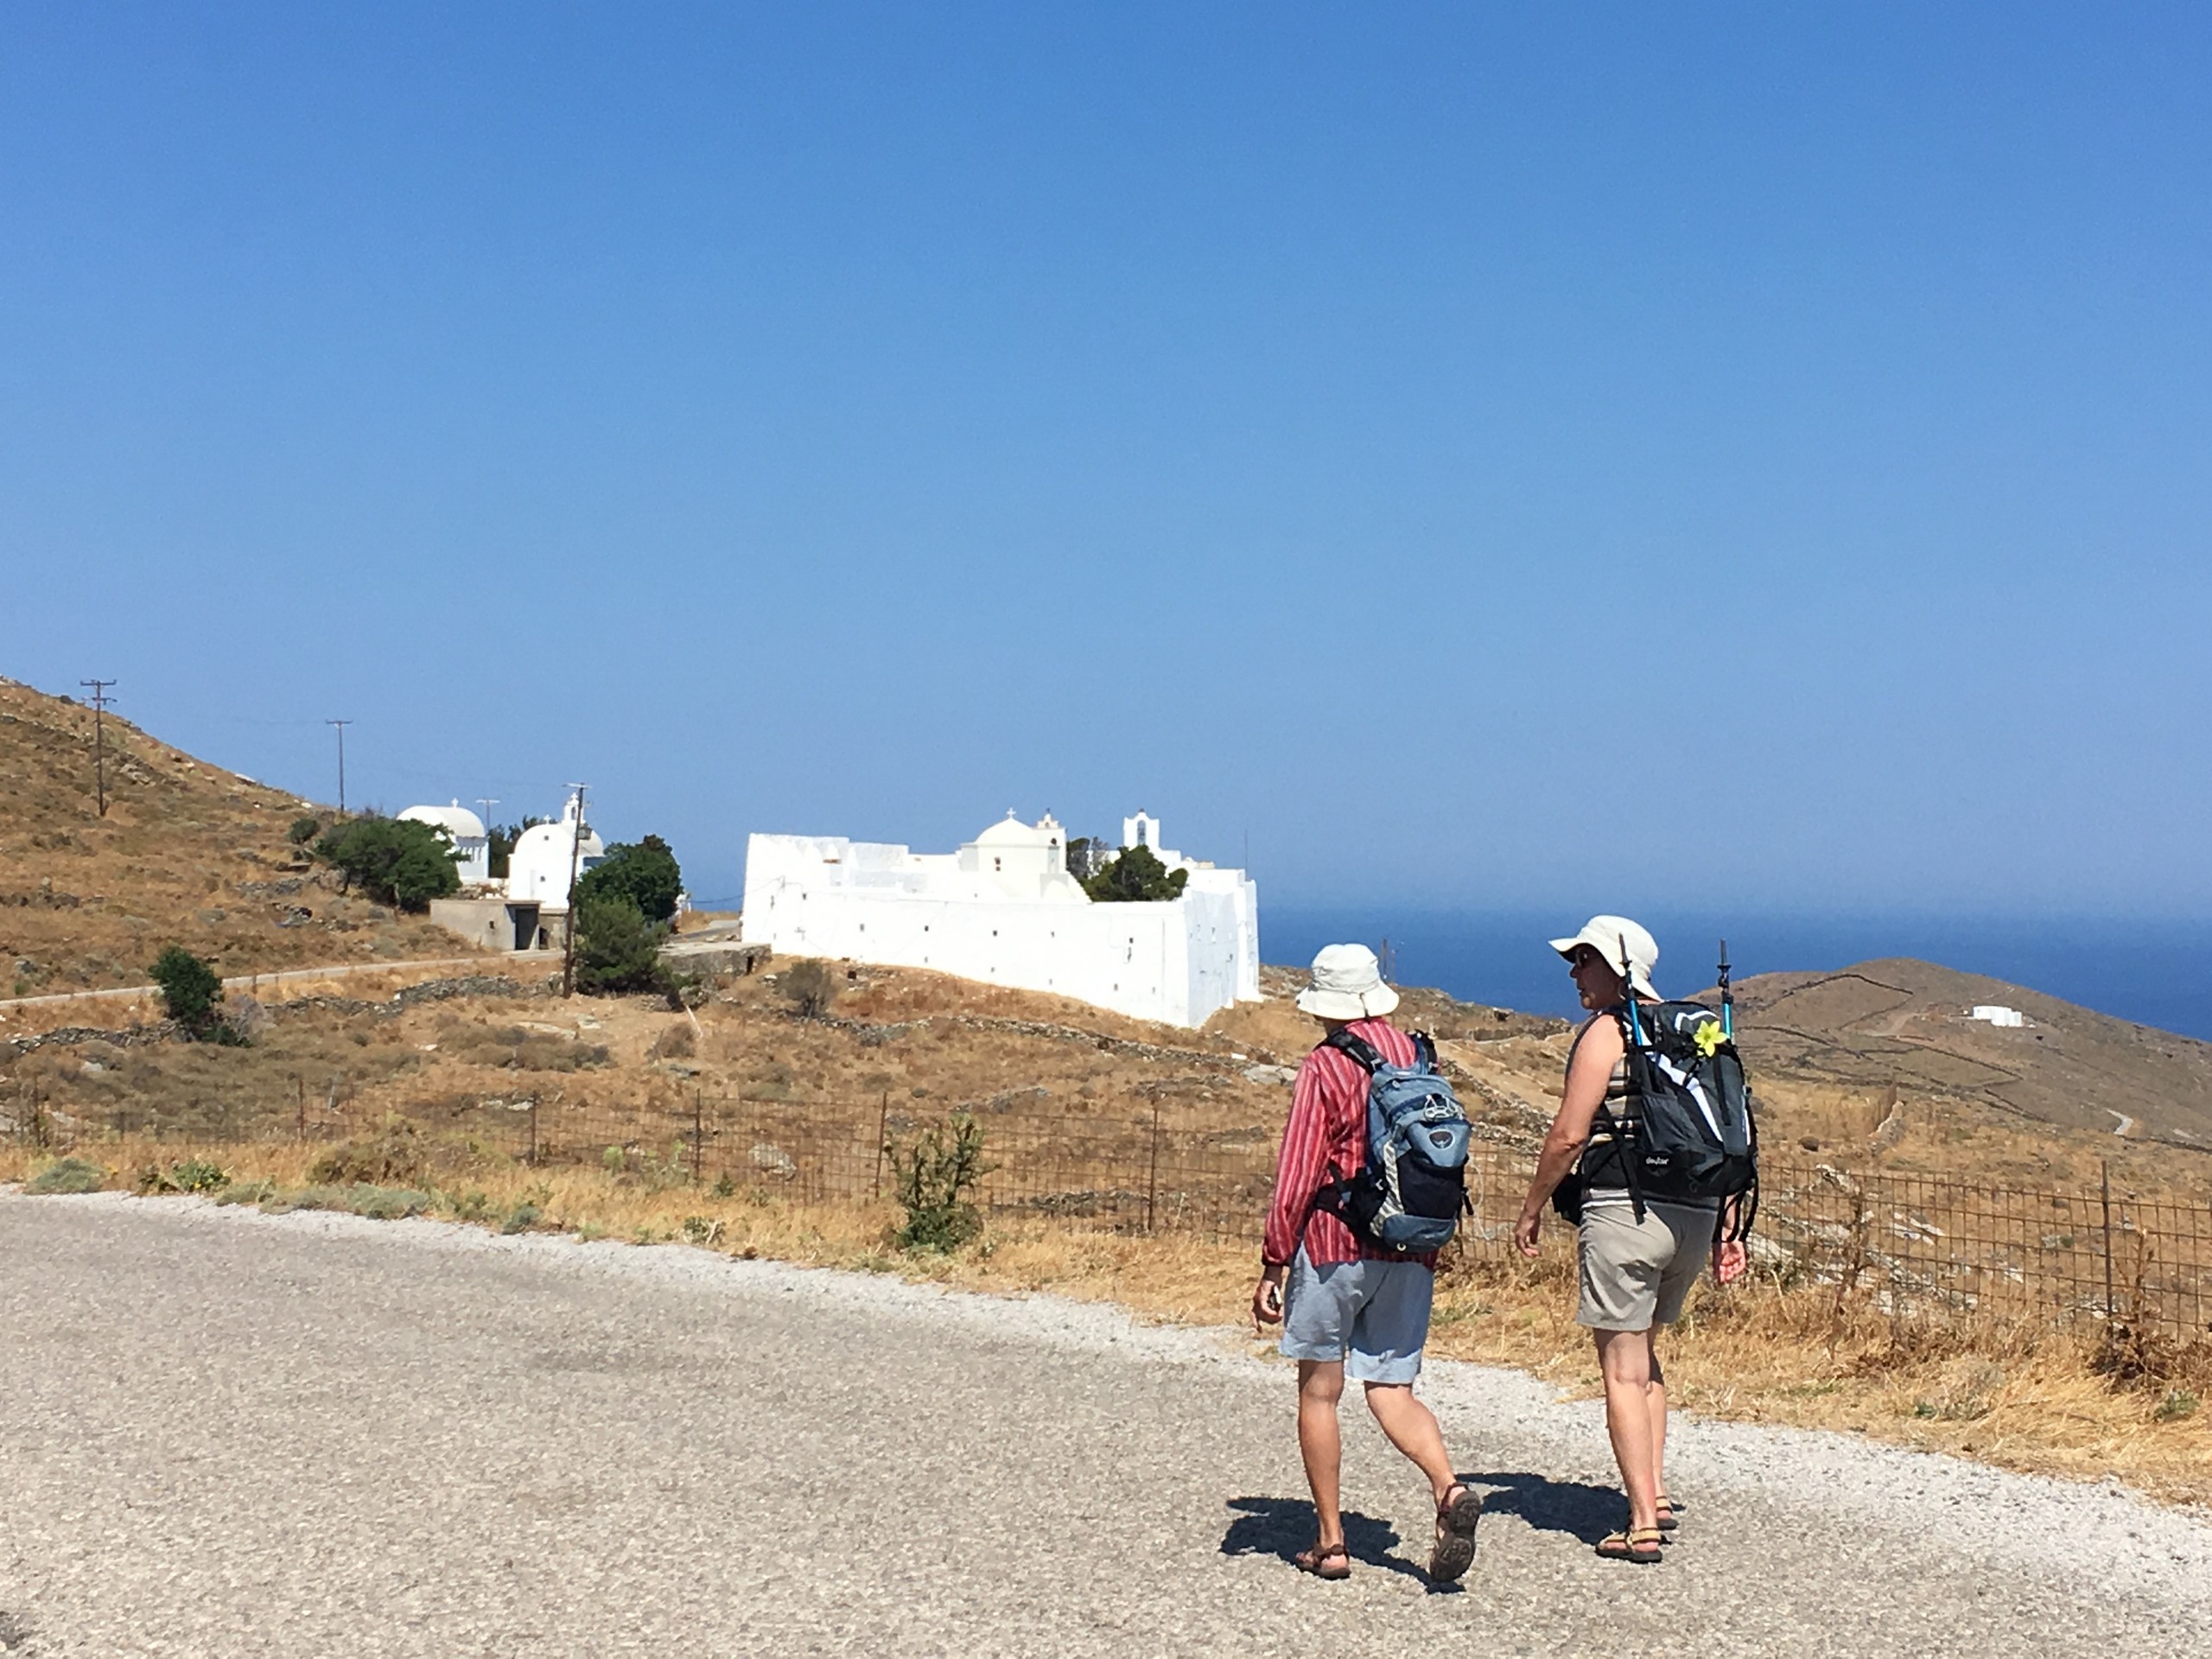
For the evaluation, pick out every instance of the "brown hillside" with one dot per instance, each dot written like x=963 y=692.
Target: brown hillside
x=1902 y=1022
x=188 y=854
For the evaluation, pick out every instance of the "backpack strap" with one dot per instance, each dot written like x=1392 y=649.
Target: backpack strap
x=1358 y=1047
x=1633 y=1058
x=1424 y=1051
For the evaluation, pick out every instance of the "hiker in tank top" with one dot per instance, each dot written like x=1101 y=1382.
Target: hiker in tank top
x=1634 y=1275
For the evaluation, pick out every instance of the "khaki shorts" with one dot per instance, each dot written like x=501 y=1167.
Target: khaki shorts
x=1635 y=1276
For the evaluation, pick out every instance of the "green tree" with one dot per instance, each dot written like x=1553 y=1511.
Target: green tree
x=395 y=860
x=191 y=991
x=617 y=949
x=644 y=873
x=1136 y=874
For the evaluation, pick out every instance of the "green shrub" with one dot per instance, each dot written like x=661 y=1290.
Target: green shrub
x=192 y=992
x=643 y=876
x=2178 y=1404
x=68 y=1175
x=617 y=949
x=304 y=830
x=932 y=1178
x=1137 y=873
x=396 y=861
x=520 y=1219
x=190 y=1175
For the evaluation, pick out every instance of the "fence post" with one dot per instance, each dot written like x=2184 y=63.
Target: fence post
x=698 y=1130
x=882 y=1130
x=300 y=1088
x=532 y=1159
x=2104 y=1184
x=1151 y=1176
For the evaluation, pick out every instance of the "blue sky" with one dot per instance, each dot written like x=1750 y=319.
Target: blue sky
x=1493 y=459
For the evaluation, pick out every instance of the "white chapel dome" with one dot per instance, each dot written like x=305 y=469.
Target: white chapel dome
x=456 y=820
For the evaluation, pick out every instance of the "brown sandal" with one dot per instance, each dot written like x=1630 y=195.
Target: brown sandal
x=1453 y=1552
x=1324 y=1561
x=1668 y=1510
x=1638 y=1544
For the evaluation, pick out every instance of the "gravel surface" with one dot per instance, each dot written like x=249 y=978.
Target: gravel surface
x=226 y=1433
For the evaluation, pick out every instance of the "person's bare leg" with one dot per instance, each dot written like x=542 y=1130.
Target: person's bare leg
x=1654 y=1403
x=1321 y=1386
x=1413 y=1430
x=1624 y=1358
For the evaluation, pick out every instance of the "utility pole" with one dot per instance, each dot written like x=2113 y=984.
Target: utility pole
x=99 y=701
x=341 y=725
x=488 y=802
x=575 y=857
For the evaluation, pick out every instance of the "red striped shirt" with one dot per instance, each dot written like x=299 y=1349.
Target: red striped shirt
x=1325 y=1141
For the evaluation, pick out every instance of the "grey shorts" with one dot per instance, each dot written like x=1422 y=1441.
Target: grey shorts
x=1372 y=1315
x=1635 y=1276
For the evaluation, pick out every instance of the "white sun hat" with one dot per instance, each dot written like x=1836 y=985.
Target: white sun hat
x=1614 y=937
x=1347 y=985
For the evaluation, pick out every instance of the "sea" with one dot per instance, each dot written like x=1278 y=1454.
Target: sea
x=2152 y=972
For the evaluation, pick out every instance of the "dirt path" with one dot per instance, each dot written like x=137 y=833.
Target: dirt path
x=234 y=1435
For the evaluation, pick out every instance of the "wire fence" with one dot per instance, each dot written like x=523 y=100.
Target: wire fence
x=1913 y=1243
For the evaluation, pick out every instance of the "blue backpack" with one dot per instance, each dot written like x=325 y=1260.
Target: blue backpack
x=1413 y=1190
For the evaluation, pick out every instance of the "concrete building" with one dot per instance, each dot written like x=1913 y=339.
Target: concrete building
x=1003 y=909
x=465 y=829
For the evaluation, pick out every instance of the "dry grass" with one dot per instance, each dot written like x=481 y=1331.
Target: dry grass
x=2018 y=1395
x=188 y=854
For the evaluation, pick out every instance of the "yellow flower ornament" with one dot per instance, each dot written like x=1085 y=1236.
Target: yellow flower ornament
x=1709 y=1038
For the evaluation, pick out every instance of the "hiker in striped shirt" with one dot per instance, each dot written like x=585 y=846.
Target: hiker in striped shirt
x=1349 y=1306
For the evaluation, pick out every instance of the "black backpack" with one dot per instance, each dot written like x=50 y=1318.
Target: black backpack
x=1693 y=1136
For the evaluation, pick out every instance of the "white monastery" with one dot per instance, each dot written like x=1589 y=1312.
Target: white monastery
x=528 y=908
x=1005 y=910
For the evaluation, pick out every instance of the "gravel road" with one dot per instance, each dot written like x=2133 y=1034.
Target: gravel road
x=226 y=1433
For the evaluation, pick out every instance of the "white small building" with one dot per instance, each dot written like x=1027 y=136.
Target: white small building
x=1003 y=909
x=547 y=856
x=471 y=846
x=1997 y=1014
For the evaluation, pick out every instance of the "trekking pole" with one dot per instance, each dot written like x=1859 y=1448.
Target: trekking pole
x=1727 y=997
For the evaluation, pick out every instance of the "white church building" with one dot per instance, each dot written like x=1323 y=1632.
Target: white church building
x=528 y=908
x=1004 y=910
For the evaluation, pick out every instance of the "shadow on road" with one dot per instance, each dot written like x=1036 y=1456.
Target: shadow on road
x=1573 y=1507
x=1282 y=1526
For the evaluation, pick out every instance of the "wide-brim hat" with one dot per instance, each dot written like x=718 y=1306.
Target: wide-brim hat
x=1347 y=985
x=1615 y=939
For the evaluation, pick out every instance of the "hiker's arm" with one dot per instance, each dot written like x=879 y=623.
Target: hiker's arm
x=1588 y=1076
x=1300 y=1167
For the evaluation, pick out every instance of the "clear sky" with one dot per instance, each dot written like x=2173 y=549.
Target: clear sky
x=1483 y=456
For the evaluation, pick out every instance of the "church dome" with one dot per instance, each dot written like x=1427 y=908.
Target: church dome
x=1010 y=832
x=455 y=820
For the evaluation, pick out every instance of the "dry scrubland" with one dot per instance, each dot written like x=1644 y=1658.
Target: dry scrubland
x=193 y=855
x=188 y=854
x=911 y=1046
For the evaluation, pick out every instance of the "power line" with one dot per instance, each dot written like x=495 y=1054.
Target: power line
x=99 y=701
x=341 y=725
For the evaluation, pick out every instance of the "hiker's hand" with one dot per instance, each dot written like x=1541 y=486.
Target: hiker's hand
x=1267 y=1299
x=1525 y=1231
x=1729 y=1261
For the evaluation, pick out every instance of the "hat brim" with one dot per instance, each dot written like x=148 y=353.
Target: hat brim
x=1639 y=980
x=1347 y=1005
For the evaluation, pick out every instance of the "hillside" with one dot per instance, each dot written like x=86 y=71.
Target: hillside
x=188 y=854
x=1902 y=1022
